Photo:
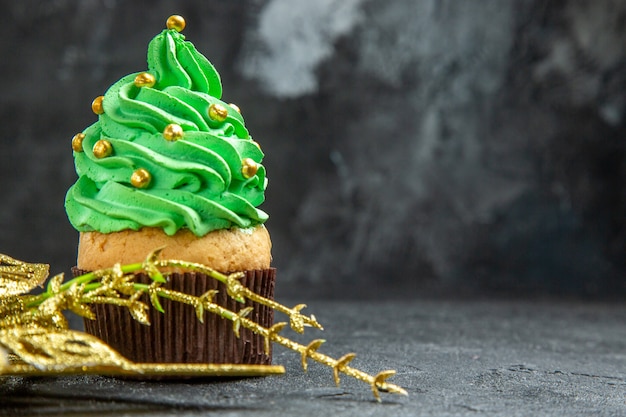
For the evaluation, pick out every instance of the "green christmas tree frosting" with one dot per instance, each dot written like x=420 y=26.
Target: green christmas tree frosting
x=166 y=151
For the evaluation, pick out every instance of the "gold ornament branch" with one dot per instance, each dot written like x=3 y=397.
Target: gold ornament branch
x=35 y=338
x=239 y=292
x=203 y=303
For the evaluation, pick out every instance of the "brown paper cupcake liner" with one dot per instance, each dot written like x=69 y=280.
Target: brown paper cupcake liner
x=178 y=336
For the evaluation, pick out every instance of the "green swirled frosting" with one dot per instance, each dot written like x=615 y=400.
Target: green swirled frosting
x=197 y=182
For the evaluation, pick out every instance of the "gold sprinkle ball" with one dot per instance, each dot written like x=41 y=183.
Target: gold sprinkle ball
x=102 y=149
x=96 y=105
x=141 y=178
x=77 y=142
x=217 y=112
x=236 y=107
x=175 y=22
x=144 y=79
x=249 y=168
x=173 y=132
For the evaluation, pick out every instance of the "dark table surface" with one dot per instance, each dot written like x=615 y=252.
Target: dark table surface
x=454 y=358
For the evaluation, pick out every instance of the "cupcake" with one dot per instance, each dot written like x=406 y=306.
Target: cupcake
x=169 y=164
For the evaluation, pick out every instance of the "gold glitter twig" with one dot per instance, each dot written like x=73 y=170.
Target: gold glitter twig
x=39 y=351
x=377 y=382
x=17 y=277
x=239 y=292
x=34 y=329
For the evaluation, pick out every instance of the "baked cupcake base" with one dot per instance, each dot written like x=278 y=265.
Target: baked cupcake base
x=177 y=336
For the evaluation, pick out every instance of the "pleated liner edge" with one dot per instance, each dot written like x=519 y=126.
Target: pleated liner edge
x=178 y=336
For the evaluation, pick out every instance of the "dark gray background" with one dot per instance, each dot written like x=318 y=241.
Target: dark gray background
x=414 y=148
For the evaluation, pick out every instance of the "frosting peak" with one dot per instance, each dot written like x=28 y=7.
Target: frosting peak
x=166 y=151
x=176 y=62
